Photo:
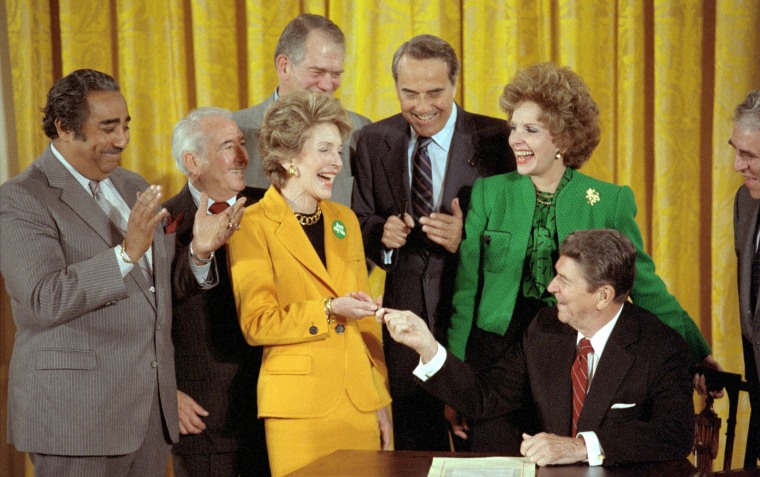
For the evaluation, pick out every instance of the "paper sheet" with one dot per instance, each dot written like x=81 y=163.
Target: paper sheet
x=482 y=467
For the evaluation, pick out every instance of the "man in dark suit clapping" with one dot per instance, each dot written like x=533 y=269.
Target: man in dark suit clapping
x=413 y=176
x=216 y=369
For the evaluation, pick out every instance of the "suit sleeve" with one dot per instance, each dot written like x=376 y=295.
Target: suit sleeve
x=649 y=291
x=37 y=270
x=497 y=390
x=254 y=274
x=363 y=202
x=666 y=429
x=468 y=273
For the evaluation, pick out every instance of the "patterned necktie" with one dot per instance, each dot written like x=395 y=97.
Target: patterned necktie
x=118 y=220
x=218 y=207
x=579 y=377
x=422 y=179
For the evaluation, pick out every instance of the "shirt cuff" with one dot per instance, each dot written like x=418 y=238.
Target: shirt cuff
x=124 y=267
x=427 y=370
x=200 y=272
x=387 y=256
x=593 y=448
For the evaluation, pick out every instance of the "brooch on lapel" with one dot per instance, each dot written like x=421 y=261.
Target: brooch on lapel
x=171 y=224
x=592 y=196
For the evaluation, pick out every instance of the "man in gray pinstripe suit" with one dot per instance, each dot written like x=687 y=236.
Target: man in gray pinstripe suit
x=88 y=267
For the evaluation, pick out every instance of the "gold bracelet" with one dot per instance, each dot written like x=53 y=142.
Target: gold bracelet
x=328 y=310
x=202 y=261
x=123 y=254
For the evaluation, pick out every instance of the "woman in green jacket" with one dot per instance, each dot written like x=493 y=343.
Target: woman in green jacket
x=516 y=222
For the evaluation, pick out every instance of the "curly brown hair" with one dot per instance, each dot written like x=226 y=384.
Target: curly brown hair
x=287 y=125
x=568 y=110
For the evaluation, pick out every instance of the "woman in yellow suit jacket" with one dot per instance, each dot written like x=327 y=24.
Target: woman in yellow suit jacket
x=300 y=281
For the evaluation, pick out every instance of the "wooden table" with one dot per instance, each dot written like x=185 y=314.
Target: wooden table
x=348 y=463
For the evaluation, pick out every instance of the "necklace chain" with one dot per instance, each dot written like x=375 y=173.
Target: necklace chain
x=547 y=196
x=309 y=219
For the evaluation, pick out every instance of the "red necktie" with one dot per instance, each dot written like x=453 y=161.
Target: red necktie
x=579 y=377
x=218 y=207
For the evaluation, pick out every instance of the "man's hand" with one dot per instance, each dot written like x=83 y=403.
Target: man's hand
x=700 y=383
x=409 y=329
x=458 y=423
x=190 y=413
x=212 y=231
x=551 y=449
x=142 y=222
x=444 y=229
x=384 y=422
x=396 y=230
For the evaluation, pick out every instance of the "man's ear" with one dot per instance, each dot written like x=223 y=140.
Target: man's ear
x=282 y=65
x=606 y=295
x=192 y=163
x=64 y=134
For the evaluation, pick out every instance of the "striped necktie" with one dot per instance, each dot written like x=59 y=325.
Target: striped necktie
x=579 y=377
x=422 y=179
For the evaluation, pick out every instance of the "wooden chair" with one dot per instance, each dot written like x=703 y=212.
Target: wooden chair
x=707 y=428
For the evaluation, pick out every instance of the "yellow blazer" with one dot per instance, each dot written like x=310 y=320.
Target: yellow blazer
x=279 y=284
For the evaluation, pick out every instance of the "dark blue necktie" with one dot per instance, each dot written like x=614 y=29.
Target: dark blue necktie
x=422 y=179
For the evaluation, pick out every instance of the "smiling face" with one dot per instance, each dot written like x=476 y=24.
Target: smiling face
x=320 y=69
x=317 y=165
x=534 y=147
x=576 y=303
x=96 y=152
x=747 y=157
x=425 y=93
x=220 y=173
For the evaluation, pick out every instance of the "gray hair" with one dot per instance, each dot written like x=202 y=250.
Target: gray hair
x=747 y=114
x=292 y=42
x=188 y=134
x=425 y=47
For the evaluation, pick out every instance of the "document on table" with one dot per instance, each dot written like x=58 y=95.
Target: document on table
x=482 y=467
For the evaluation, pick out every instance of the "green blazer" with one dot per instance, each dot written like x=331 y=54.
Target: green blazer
x=492 y=254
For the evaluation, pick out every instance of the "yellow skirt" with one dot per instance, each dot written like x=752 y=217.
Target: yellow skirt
x=294 y=443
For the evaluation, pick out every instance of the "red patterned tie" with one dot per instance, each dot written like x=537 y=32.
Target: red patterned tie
x=218 y=207
x=579 y=377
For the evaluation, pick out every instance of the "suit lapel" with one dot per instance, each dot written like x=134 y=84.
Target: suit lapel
x=610 y=372
x=559 y=355
x=292 y=236
x=82 y=203
x=395 y=163
x=336 y=249
x=461 y=168
x=748 y=255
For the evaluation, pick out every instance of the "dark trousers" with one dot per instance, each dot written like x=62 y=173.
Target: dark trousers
x=753 y=378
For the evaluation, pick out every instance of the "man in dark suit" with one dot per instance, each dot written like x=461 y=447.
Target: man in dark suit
x=416 y=246
x=609 y=381
x=308 y=56
x=216 y=369
x=746 y=140
x=88 y=267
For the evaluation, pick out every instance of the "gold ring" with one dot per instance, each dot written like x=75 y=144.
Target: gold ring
x=237 y=226
x=229 y=225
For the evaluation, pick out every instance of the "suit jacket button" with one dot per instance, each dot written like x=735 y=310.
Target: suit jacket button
x=152 y=289
x=313 y=330
x=340 y=329
x=154 y=364
x=487 y=239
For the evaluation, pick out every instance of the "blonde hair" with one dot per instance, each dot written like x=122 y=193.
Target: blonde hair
x=288 y=123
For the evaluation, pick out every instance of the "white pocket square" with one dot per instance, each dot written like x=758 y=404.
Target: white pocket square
x=622 y=405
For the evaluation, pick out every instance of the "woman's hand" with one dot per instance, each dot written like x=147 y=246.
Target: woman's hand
x=355 y=305
x=385 y=428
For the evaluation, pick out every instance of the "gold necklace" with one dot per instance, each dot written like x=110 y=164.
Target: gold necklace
x=309 y=219
x=547 y=196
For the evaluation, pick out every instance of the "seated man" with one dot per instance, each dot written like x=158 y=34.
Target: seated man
x=625 y=397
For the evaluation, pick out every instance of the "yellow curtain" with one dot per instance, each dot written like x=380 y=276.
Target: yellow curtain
x=666 y=75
